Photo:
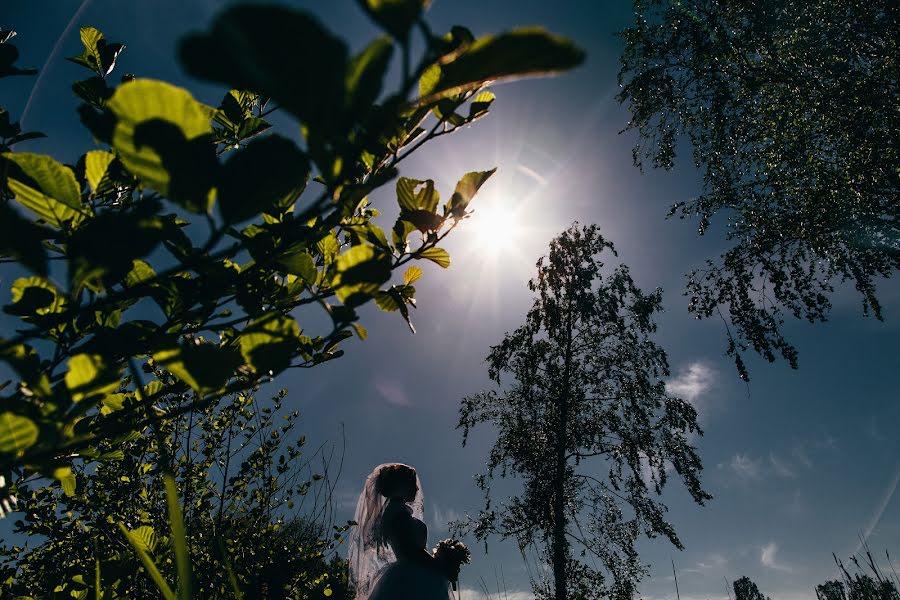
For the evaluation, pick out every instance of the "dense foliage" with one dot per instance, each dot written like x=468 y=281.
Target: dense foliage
x=256 y=509
x=584 y=421
x=791 y=111
x=188 y=240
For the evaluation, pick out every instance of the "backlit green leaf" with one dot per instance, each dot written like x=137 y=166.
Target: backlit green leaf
x=34 y=296
x=96 y=163
x=436 y=255
x=66 y=479
x=360 y=271
x=412 y=275
x=269 y=342
x=89 y=376
x=160 y=137
x=204 y=367
x=299 y=262
x=139 y=546
x=406 y=193
x=17 y=433
x=50 y=191
x=465 y=190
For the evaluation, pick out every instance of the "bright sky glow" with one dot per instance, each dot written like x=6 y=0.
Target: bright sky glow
x=494 y=227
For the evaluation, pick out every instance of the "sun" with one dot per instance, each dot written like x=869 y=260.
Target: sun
x=493 y=227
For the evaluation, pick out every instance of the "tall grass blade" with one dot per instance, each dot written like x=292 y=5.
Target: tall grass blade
x=98 y=588
x=235 y=587
x=179 y=539
x=148 y=563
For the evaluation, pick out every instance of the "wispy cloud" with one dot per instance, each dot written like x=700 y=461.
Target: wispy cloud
x=392 y=392
x=746 y=468
x=781 y=467
x=440 y=517
x=692 y=383
x=710 y=563
x=768 y=557
x=785 y=464
x=526 y=170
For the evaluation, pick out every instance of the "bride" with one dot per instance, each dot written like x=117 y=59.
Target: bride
x=388 y=559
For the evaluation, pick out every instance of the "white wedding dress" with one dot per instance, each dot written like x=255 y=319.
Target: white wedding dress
x=388 y=556
x=407 y=578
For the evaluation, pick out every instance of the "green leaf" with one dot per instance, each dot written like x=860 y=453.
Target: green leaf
x=359 y=273
x=465 y=190
x=429 y=80
x=266 y=176
x=436 y=255
x=111 y=455
x=402 y=229
x=395 y=16
x=49 y=189
x=26 y=362
x=145 y=537
x=179 y=539
x=522 y=52
x=279 y=53
x=17 y=433
x=96 y=164
x=111 y=403
x=205 y=367
x=299 y=262
x=412 y=275
x=480 y=105
x=269 y=342
x=163 y=136
x=66 y=479
x=140 y=272
x=365 y=74
x=361 y=331
x=90 y=57
x=98 y=55
x=90 y=376
x=34 y=296
x=138 y=545
x=406 y=193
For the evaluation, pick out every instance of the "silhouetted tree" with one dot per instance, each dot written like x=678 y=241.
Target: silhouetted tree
x=831 y=590
x=584 y=381
x=745 y=589
x=791 y=110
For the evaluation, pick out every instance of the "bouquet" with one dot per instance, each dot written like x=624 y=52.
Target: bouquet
x=452 y=554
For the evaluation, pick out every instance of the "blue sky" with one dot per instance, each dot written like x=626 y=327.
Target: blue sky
x=801 y=463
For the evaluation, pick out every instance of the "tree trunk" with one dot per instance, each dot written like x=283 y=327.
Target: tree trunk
x=560 y=545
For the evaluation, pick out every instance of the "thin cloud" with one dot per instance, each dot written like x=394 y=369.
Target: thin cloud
x=440 y=518
x=746 y=468
x=768 y=557
x=781 y=467
x=531 y=173
x=691 y=384
x=392 y=393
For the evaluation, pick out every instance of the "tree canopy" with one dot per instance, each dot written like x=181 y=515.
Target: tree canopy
x=790 y=109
